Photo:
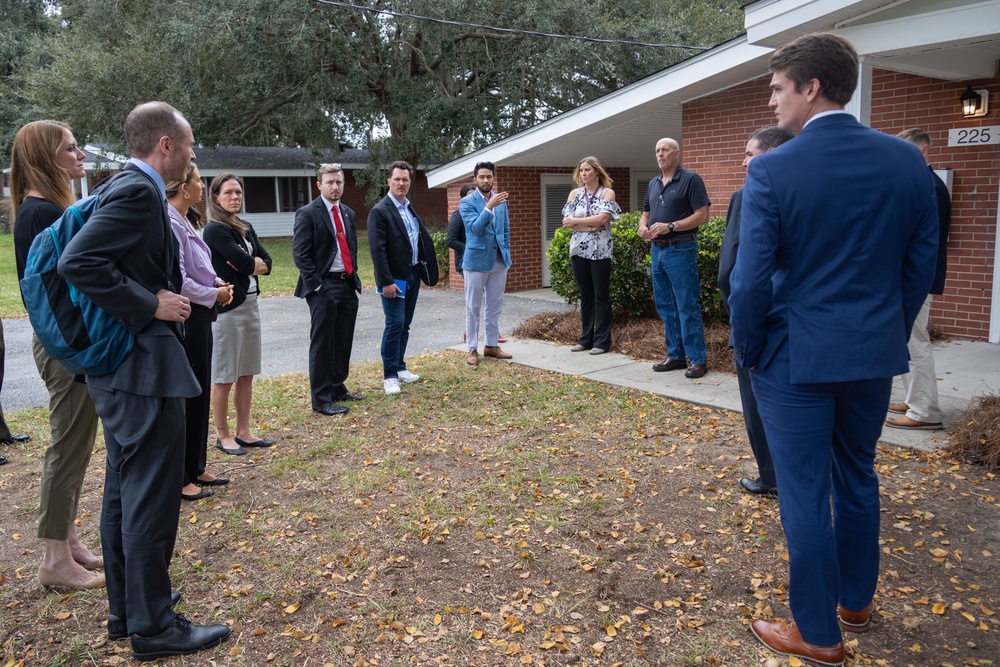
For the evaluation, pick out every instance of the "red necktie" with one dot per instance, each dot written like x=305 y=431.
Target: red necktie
x=345 y=252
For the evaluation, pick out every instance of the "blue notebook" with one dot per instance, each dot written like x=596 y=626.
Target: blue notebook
x=400 y=288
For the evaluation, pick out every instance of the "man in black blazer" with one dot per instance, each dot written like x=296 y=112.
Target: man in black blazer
x=125 y=260
x=403 y=254
x=325 y=248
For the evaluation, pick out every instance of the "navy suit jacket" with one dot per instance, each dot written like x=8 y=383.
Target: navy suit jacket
x=120 y=259
x=486 y=234
x=315 y=245
x=838 y=245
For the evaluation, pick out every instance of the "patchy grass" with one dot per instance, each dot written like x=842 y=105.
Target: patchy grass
x=508 y=516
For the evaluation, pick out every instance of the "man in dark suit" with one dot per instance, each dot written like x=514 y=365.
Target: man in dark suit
x=325 y=248
x=837 y=247
x=403 y=254
x=763 y=140
x=456 y=230
x=125 y=260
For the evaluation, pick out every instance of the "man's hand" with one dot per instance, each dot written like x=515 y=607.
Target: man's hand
x=657 y=229
x=389 y=291
x=497 y=199
x=172 y=307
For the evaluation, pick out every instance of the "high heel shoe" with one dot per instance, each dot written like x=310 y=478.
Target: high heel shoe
x=51 y=579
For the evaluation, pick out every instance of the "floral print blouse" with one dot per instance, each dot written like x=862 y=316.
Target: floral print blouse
x=590 y=245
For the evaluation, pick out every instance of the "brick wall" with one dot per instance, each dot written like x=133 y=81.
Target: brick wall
x=716 y=130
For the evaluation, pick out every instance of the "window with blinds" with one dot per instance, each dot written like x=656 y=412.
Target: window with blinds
x=555 y=195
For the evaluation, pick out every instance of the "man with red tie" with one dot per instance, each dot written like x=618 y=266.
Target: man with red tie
x=325 y=249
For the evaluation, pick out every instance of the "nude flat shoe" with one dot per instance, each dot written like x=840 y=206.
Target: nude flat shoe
x=50 y=579
x=94 y=564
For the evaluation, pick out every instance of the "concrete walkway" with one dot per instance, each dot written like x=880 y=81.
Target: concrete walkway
x=965 y=370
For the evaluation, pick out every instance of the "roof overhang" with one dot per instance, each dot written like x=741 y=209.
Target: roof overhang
x=955 y=40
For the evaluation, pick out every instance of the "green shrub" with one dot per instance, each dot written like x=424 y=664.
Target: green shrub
x=631 y=285
x=441 y=252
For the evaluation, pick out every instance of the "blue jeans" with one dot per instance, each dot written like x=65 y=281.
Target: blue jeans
x=398 y=315
x=675 y=291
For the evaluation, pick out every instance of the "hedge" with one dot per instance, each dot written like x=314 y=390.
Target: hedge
x=631 y=285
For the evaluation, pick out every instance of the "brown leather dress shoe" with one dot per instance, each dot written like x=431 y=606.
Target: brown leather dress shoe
x=669 y=364
x=496 y=352
x=784 y=638
x=696 y=371
x=908 y=424
x=473 y=358
x=855 y=621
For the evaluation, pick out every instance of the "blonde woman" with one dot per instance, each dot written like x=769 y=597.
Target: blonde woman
x=589 y=212
x=44 y=161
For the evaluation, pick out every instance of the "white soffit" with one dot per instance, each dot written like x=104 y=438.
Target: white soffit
x=621 y=127
x=775 y=22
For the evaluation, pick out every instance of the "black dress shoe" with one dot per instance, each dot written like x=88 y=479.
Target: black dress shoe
x=239 y=451
x=197 y=496
x=669 y=364
x=255 y=443
x=218 y=481
x=349 y=397
x=181 y=638
x=116 y=624
x=331 y=409
x=11 y=439
x=3 y=460
x=759 y=488
x=696 y=371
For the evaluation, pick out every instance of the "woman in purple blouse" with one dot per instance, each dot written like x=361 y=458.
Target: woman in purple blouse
x=206 y=291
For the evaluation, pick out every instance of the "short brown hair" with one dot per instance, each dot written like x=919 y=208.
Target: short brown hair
x=401 y=164
x=770 y=137
x=148 y=122
x=328 y=169
x=829 y=58
x=602 y=176
x=916 y=135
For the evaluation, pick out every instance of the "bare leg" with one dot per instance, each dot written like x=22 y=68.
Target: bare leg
x=220 y=414
x=59 y=560
x=191 y=489
x=241 y=400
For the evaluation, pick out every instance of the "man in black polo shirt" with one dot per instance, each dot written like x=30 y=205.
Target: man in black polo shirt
x=676 y=205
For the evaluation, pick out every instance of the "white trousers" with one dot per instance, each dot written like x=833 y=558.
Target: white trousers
x=920 y=384
x=477 y=286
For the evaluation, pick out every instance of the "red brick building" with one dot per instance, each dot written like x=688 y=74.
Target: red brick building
x=917 y=61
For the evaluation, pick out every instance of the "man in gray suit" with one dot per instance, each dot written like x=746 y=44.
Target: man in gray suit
x=125 y=260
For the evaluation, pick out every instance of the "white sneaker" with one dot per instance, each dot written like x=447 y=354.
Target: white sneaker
x=407 y=376
x=391 y=386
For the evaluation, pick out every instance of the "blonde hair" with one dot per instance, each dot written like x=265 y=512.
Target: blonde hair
x=33 y=164
x=219 y=214
x=602 y=176
x=194 y=215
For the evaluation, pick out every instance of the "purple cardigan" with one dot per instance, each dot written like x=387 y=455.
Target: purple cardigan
x=198 y=278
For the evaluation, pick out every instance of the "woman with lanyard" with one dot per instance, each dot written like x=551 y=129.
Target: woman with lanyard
x=589 y=212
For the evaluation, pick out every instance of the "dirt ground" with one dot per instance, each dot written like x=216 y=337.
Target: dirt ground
x=507 y=516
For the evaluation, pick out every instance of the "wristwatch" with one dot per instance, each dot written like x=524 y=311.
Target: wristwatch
x=670 y=226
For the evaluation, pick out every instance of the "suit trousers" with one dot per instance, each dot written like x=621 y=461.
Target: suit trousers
x=491 y=285
x=920 y=384
x=593 y=277
x=198 y=345
x=398 y=316
x=144 y=436
x=823 y=439
x=73 y=424
x=755 y=428
x=333 y=312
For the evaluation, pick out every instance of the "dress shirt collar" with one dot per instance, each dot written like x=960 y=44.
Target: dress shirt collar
x=821 y=114
x=153 y=174
x=330 y=204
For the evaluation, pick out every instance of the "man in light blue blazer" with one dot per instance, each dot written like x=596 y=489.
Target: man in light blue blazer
x=486 y=260
x=837 y=250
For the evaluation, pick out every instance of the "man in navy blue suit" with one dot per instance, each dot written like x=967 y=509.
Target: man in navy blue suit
x=837 y=250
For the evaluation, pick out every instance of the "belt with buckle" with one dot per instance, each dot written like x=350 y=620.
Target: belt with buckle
x=666 y=243
x=340 y=275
